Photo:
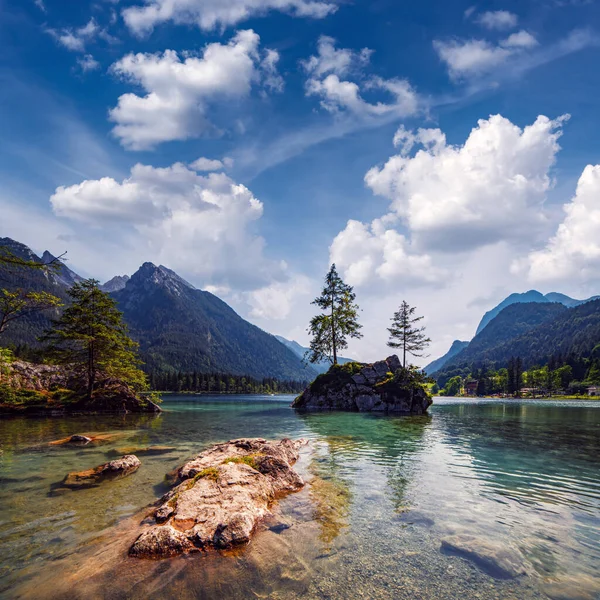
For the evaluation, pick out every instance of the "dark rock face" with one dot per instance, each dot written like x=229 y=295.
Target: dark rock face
x=224 y=492
x=365 y=388
x=115 y=469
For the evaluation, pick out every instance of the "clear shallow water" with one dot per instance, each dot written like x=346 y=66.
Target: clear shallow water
x=382 y=493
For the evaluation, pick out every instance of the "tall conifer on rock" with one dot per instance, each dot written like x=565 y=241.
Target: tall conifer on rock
x=405 y=335
x=92 y=338
x=331 y=329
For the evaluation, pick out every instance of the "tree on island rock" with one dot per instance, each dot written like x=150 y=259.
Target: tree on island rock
x=339 y=321
x=403 y=333
x=92 y=338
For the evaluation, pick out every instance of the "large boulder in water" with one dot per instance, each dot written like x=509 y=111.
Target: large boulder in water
x=383 y=386
x=224 y=492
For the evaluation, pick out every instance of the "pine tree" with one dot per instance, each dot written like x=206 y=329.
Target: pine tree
x=339 y=321
x=92 y=338
x=16 y=304
x=403 y=333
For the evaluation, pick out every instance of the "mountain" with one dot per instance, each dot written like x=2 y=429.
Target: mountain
x=62 y=273
x=115 y=284
x=437 y=364
x=531 y=296
x=320 y=367
x=26 y=331
x=186 y=329
x=496 y=341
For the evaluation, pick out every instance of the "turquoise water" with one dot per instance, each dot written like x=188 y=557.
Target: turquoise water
x=381 y=494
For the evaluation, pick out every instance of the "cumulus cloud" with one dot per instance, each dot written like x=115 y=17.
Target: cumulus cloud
x=210 y=14
x=179 y=91
x=467 y=58
x=498 y=19
x=376 y=253
x=208 y=164
x=326 y=72
x=276 y=300
x=459 y=197
x=573 y=253
x=199 y=225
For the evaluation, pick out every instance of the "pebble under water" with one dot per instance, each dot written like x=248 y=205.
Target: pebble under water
x=382 y=493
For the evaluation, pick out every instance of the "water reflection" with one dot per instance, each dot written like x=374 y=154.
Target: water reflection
x=382 y=493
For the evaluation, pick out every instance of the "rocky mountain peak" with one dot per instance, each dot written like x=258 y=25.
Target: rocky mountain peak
x=150 y=276
x=63 y=274
x=20 y=250
x=115 y=284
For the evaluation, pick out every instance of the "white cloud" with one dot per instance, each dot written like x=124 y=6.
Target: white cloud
x=333 y=60
x=272 y=79
x=375 y=253
x=76 y=39
x=40 y=4
x=210 y=14
x=208 y=164
x=201 y=226
x=498 y=19
x=324 y=80
x=179 y=92
x=467 y=58
x=573 y=253
x=521 y=39
x=276 y=301
x=88 y=63
x=490 y=188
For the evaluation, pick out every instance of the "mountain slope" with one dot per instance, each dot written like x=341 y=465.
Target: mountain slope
x=186 y=329
x=25 y=331
x=573 y=331
x=115 y=284
x=320 y=367
x=436 y=365
x=511 y=322
x=530 y=296
x=62 y=274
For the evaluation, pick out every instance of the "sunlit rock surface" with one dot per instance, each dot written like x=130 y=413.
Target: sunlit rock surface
x=115 y=469
x=226 y=490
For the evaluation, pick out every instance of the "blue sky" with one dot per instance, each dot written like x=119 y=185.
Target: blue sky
x=331 y=130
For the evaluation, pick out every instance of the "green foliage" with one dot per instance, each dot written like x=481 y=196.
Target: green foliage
x=17 y=304
x=330 y=330
x=403 y=333
x=405 y=378
x=220 y=383
x=453 y=387
x=23 y=398
x=92 y=338
x=336 y=378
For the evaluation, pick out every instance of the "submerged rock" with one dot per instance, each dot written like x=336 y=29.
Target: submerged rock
x=383 y=386
x=225 y=491
x=115 y=469
x=572 y=587
x=499 y=560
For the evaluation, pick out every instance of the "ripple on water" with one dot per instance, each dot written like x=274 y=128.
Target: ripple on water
x=383 y=492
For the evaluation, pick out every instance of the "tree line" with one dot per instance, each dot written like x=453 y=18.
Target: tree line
x=220 y=383
x=568 y=375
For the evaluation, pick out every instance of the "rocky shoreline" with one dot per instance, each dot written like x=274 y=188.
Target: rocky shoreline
x=383 y=386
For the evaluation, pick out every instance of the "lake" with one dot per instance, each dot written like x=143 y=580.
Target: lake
x=381 y=494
